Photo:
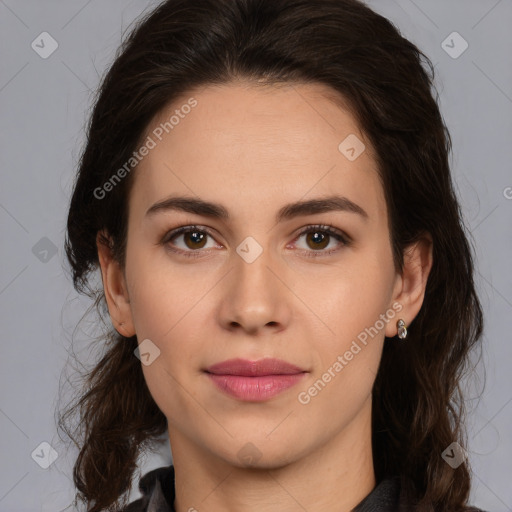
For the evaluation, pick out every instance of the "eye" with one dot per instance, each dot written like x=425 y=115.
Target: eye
x=189 y=240
x=319 y=237
x=192 y=238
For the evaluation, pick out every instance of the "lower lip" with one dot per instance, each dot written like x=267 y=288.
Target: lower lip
x=255 y=389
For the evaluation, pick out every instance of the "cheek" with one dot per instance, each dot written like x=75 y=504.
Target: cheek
x=169 y=305
x=168 y=316
x=355 y=304
x=354 y=297
x=347 y=359
x=161 y=293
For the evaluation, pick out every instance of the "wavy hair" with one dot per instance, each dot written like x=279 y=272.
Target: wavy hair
x=388 y=85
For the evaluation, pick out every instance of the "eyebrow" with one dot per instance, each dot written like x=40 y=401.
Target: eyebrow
x=287 y=212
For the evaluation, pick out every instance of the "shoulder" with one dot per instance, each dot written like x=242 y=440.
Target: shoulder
x=157 y=488
x=395 y=494
x=408 y=498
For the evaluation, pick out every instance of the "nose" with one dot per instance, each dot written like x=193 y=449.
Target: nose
x=255 y=298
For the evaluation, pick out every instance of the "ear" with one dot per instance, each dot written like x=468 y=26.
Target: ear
x=409 y=290
x=114 y=286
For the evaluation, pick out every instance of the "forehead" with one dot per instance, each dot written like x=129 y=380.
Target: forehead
x=244 y=144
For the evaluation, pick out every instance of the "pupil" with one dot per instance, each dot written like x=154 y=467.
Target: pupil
x=196 y=237
x=318 y=239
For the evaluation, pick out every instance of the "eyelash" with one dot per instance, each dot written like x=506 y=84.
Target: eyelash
x=329 y=230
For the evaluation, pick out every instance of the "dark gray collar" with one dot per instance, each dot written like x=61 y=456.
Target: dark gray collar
x=157 y=488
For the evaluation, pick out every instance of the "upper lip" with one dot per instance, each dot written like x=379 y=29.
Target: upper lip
x=246 y=368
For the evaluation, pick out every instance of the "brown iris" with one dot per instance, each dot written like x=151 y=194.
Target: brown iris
x=320 y=241
x=198 y=239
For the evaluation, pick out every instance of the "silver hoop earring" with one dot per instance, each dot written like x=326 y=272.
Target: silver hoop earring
x=402 y=329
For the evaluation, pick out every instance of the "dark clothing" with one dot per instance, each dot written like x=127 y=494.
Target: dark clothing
x=157 y=487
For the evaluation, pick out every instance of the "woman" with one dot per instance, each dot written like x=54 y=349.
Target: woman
x=266 y=191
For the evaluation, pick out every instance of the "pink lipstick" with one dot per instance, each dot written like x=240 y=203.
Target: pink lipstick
x=254 y=381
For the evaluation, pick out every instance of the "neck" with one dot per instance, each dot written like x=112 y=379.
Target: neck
x=335 y=476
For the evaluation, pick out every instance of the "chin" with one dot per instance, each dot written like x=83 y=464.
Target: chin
x=258 y=452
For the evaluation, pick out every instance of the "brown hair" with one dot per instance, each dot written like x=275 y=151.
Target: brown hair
x=388 y=84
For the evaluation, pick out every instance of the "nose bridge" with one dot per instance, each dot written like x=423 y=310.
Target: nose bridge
x=252 y=276
x=254 y=296
x=254 y=263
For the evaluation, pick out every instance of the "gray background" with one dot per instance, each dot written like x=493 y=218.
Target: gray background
x=44 y=106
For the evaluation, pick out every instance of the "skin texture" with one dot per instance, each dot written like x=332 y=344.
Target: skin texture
x=253 y=149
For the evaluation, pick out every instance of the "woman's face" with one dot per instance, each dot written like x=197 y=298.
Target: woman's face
x=247 y=284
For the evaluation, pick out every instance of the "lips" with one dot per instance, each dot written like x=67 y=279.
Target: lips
x=258 y=368
x=254 y=381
